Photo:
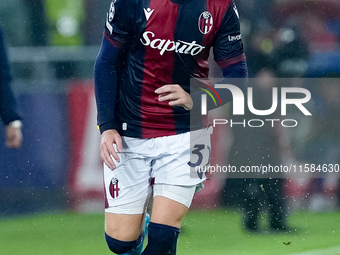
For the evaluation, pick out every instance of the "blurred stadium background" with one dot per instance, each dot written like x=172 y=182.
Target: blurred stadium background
x=52 y=48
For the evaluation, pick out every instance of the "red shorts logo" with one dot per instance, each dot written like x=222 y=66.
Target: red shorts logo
x=114 y=188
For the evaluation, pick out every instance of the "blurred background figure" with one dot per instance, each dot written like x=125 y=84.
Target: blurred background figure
x=298 y=40
x=8 y=109
x=323 y=143
x=253 y=146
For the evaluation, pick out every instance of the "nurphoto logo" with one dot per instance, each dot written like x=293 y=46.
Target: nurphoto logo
x=295 y=96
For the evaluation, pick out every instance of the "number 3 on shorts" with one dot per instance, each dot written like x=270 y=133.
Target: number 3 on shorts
x=203 y=152
x=199 y=160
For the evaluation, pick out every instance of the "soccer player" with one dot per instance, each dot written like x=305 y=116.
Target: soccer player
x=149 y=52
x=8 y=111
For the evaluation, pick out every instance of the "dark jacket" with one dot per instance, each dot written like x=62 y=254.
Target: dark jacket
x=8 y=110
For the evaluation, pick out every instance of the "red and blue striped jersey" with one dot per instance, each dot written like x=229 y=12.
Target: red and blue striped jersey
x=161 y=42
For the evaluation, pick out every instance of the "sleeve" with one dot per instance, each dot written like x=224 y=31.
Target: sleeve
x=228 y=49
x=8 y=110
x=117 y=37
x=229 y=55
x=121 y=22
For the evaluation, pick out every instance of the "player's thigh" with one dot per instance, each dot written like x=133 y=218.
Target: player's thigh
x=126 y=191
x=167 y=212
x=124 y=216
x=123 y=227
x=124 y=220
x=171 y=203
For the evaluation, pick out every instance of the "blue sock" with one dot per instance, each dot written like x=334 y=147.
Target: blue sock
x=120 y=247
x=139 y=249
x=162 y=239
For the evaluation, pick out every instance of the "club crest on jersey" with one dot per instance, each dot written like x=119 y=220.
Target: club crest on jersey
x=205 y=22
x=114 y=188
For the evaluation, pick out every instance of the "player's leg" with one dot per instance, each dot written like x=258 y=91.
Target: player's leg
x=123 y=226
x=276 y=200
x=124 y=233
x=130 y=230
x=173 y=216
x=126 y=191
x=251 y=195
x=170 y=205
x=174 y=187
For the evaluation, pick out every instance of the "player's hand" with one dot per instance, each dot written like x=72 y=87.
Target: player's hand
x=13 y=137
x=107 y=151
x=176 y=95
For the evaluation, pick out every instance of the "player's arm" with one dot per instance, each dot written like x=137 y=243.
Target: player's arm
x=230 y=57
x=228 y=49
x=105 y=80
x=117 y=36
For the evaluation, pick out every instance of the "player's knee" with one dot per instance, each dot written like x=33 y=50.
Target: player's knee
x=120 y=247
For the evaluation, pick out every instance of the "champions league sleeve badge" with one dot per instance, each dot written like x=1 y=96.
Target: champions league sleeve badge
x=112 y=10
x=110 y=16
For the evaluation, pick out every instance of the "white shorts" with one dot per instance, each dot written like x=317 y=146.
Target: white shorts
x=162 y=163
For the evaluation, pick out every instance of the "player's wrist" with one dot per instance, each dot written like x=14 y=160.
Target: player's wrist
x=106 y=126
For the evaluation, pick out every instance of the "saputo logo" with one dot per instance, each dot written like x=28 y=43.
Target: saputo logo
x=296 y=97
x=182 y=47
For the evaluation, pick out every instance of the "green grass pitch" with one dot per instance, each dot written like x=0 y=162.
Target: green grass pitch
x=216 y=232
